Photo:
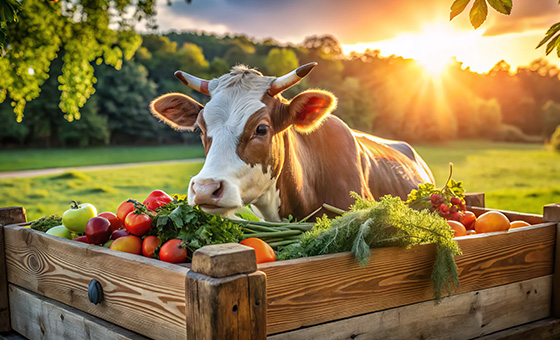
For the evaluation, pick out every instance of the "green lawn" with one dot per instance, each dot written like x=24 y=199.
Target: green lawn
x=519 y=177
x=13 y=160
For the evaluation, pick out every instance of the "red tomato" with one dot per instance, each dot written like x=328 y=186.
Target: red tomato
x=116 y=222
x=124 y=209
x=129 y=244
x=149 y=244
x=173 y=251
x=157 y=199
x=467 y=219
x=263 y=250
x=138 y=225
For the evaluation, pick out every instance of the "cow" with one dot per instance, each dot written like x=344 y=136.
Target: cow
x=282 y=157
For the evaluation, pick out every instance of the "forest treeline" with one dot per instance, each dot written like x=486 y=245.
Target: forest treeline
x=391 y=97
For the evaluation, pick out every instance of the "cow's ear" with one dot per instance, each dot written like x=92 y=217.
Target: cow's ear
x=308 y=109
x=176 y=110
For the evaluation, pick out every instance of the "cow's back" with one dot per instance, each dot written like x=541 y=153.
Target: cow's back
x=392 y=167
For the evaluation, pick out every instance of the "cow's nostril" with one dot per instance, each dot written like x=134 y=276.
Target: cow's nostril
x=218 y=191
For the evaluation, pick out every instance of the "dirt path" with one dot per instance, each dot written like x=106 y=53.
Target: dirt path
x=54 y=171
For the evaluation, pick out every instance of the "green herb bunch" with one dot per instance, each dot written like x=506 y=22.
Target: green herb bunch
x=46 y=222
x=177 y=219
x=386 y=223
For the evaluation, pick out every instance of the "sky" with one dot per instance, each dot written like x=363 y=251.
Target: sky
x=418 y=29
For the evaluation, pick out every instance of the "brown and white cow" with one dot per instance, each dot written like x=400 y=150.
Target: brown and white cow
x=283 y=157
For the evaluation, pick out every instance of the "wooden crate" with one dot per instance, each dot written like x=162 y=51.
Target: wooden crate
x=507 y=291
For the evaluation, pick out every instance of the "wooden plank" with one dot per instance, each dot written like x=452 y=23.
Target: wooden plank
x=221 y=260
x=7 y=216
x=12 y=215
x=141 y=294
x=37 y=317
x=475 y=199
x=511 y=215
x=547 y=329
x=463 y=316
x=320 y=289
x=225 y=307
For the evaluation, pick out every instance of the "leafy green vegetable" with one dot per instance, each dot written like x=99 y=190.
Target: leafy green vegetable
x=177 y=219
x=386 y=223
x=45 y=223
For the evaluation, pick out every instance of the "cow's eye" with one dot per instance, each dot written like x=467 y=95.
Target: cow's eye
x=261 y=130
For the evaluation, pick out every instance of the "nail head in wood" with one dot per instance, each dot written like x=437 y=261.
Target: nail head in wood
x=221 y=260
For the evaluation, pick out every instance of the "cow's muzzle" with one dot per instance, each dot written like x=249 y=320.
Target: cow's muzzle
x=207 y=193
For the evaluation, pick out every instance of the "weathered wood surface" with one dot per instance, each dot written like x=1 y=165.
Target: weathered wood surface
x=37 y=317
x=463 y=316
x=225 y=307
x=7 y=216
x=141 y=294
x=320 y=289
x=546 y=329
x=551 y=212
x=475 y=199
x=221 y=260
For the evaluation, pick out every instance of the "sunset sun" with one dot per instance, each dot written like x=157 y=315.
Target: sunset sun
x=433 y=46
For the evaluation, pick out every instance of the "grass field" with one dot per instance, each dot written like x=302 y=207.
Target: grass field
x=519 y=177
x=14 y=160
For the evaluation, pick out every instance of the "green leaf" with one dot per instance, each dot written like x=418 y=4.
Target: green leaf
x=177 y=217
x=502 y=6
x=549 y=34
x=552 y=44
x=457 y=7
x=478 y=13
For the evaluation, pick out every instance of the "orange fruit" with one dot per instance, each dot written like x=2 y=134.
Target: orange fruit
x=491 y=221
x=518 y=224
x=458 y=228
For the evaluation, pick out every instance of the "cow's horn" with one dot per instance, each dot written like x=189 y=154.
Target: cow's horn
x=193 y=82
x=290 y=79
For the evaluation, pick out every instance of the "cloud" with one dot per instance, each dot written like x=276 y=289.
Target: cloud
x=293 y=20
x=525 y=16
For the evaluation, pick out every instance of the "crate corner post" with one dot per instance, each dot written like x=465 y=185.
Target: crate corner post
x=551 y=213
x=225 y=294
x=9 y=215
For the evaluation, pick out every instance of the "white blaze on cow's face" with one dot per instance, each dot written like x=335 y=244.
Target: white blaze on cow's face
x=236 y=131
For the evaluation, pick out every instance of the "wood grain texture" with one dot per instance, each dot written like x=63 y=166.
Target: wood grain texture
x=320 y=289
x=141 y=294
x=221 y=308
x=7 y=216
x=463 y=316
x=225 y=307
x=546 y=329
x=4 y=303
x=221 y=260
x=37 y=317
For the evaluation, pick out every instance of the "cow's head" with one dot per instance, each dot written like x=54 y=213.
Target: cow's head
x=242 y=130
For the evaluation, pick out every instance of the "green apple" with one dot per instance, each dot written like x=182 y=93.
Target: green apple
x=75 y=219
x=61 y=231
x=108 y=243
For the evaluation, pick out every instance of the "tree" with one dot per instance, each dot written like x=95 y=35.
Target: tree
x=280 y=61
x=78 y=32
x=479 y=12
